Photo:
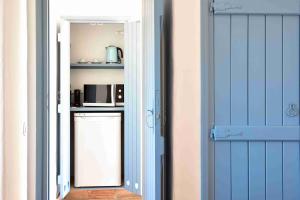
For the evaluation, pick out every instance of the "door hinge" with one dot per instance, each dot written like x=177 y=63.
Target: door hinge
x=59 y=179
x=128 y=183
x=212 y=134
x=59 y=108
x=59 y=37
x=161 y=21
x=136 y=186
x=223 y=6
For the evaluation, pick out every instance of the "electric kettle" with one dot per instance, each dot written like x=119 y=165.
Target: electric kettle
x=113 y=54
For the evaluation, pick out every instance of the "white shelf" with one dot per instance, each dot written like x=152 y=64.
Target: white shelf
x=97 y=109
x=97 y=66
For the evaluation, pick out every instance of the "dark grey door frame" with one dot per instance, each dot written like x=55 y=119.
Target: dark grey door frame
x=42 y=66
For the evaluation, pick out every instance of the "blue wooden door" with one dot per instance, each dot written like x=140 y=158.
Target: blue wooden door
x=154 y=140
x=256 y=100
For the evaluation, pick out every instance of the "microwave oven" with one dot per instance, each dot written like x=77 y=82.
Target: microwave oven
x=99 y=95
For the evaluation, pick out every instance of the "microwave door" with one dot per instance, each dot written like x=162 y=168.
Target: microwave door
x=99 y=95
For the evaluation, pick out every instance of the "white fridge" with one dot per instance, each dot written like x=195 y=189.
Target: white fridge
x=97 y=149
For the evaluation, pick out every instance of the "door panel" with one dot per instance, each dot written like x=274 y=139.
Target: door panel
x=132 y=108
x=256 y=89
x=64 y=110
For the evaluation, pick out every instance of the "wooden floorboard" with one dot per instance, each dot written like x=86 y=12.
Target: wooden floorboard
x=101 y=194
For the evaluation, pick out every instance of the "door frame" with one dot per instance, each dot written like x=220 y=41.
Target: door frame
x=207 y=99
x=45 y=185
x=44 y=107
x=83 y=20
x=42 y=111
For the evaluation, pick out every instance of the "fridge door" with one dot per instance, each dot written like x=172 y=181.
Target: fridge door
x=97 y=149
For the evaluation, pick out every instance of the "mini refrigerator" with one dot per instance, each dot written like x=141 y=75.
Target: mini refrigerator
x=97 y=149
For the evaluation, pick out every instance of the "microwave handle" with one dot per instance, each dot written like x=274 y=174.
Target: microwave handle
x=113 y=94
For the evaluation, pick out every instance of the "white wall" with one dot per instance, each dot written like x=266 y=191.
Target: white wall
x=97 y=7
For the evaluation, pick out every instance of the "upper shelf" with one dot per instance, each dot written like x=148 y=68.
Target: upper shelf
x=97 y=66
x=96 y=109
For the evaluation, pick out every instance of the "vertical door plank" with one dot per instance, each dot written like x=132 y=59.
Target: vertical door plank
x=239 y=65
x=131 y=94
x=222 y=171
x=222 y=105
x=65 y=109
x=134 y=106
x=274 y=70
x=257 y=105
x=274 y=105
x=222 y=69
x=239 y=104
x=257 y=96
x=148 y=62
x=126 y=110
x=291 y=158
x=239 y=170
x=274 y=170
x=291 y=168
x=139 y=104
x=257 y=164
x=290 y=67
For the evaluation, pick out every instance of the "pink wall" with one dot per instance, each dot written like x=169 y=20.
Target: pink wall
x=186 y=111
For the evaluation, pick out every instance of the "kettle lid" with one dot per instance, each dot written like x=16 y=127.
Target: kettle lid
x=111 y=46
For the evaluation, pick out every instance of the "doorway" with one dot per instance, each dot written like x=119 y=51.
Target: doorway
x=152 y=149
x=99 y=58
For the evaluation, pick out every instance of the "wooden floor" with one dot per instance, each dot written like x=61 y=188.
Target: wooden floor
x=101 y=194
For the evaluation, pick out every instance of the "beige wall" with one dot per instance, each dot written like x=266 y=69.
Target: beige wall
x=15 y=99
x=1 y=100
x=31 y=99
x=186 y=99
x=89 y=42
x=95 y=76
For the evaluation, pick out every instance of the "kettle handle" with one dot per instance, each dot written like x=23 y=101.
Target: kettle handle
x=121 y=51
